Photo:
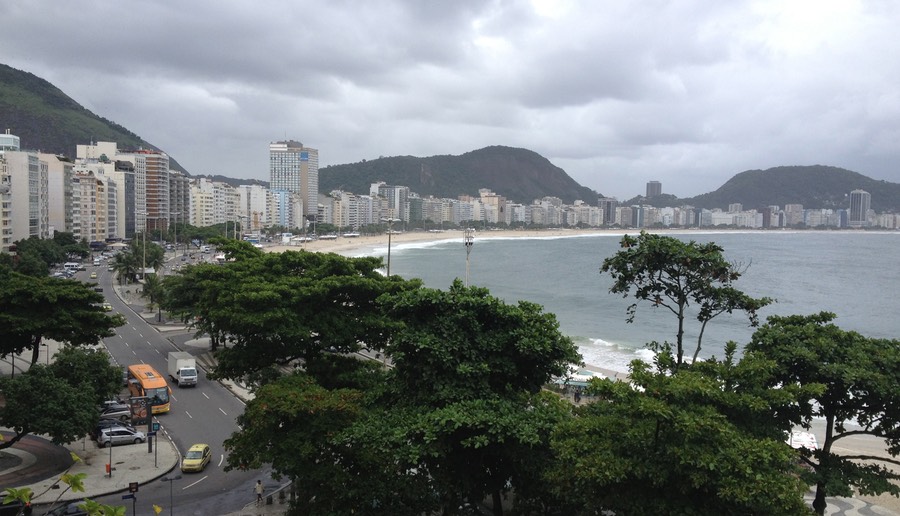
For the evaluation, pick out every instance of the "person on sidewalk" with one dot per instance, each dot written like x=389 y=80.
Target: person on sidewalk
x=259 y=492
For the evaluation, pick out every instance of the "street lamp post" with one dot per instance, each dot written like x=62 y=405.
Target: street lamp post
x=469 y=241
x=390 y=221
x=144 y=244
x=171 y=496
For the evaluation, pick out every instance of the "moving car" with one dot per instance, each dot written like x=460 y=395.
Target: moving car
x=119 y=435
x=196 y=458
x=107 y=307
x=93 y=275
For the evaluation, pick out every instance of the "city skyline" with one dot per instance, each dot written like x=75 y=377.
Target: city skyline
x=614 y=94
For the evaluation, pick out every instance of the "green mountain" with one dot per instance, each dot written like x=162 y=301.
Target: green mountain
x=520 y=175
x=815 y=186
x=48 y=120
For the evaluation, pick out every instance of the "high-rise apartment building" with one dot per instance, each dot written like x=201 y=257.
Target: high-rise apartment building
x=295 y=168
x=654 y=188
x=860 y=201
x=608 y=207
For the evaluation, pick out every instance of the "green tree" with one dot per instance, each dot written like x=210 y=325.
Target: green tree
x=673 y=274
x=302 y=429
x=463 y=401
x=126 y=266
x=63 y=310
x=39 y=402
x=665 y=444
x=852 y=379
x=154 y=291
x=88 y=370
x=278 y=308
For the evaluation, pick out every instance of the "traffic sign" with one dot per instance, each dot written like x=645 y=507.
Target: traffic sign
x=128 y=497
x=132 y=487
x=151 y=433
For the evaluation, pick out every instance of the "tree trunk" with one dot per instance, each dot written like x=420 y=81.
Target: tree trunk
x=819 y=503
x=36 y=349
x=498 y=503
x=6 y=443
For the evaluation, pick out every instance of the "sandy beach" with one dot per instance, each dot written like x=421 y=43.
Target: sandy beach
x=355 y=245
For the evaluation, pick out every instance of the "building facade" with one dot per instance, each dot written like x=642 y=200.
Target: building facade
x=295 y=168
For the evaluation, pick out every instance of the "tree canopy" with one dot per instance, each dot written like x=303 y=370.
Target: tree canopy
x=854 y=386
x=683 y=443
x=59 y=399
x=32 y=308
x=673 y=275
x=278 y=308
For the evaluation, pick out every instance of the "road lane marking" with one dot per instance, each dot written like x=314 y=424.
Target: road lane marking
x=222 y=411
x=204 y=395
x=195 y=483
x=221 y=460
x=188 y=414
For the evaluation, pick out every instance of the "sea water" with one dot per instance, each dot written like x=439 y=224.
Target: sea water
x=853 y=274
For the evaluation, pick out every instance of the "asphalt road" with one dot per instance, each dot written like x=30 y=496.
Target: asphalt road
x=202 y=414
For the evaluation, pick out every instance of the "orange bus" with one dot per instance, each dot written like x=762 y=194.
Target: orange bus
x=143 y=380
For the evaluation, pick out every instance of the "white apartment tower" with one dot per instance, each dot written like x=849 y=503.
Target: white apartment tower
x=860 y=201
x=295 y=168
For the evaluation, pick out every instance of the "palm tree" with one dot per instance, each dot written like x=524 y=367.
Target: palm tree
x=125 y=266
x=154 y=290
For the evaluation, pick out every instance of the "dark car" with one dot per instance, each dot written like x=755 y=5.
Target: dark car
x=69 y=509
x=118 y=411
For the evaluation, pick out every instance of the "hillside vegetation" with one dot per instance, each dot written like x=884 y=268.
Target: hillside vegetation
x=520 y=175
x=48 y=120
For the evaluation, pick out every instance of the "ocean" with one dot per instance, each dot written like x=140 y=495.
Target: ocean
x=852 y=274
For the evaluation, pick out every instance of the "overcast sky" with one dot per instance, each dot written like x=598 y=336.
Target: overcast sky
x=616 y=93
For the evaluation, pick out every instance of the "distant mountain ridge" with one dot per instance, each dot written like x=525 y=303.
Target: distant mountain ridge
x=47 y=119
x=813 y=186
x=520 y=175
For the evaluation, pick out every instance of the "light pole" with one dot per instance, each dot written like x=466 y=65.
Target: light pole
x=171 y=496
x=469 y=241
x=175 y=215
x=390 y=221
x=144 y=245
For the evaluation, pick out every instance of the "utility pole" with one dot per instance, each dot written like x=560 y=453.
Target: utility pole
x=469 y=241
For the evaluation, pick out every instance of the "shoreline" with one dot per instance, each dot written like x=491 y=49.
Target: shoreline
x=363 y=245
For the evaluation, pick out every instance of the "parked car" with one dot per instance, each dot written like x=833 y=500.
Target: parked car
x=69 y=509
x=196 y=458
x=118 y=411
x=105 y=424
x=119 y=435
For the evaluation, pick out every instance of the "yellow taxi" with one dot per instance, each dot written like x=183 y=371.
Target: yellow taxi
x=93 y=275
x=196 y=458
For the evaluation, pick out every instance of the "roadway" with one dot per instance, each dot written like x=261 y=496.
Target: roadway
x=203 y=414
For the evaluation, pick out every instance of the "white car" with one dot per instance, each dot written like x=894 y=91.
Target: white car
x=119 y=435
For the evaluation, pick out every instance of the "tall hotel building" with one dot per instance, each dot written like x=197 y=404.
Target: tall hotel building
x=860 y=201
x=295 y=168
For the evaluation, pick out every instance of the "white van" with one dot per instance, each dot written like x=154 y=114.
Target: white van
x=71 y=266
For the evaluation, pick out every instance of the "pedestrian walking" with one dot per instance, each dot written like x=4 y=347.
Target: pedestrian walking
x=259 y=492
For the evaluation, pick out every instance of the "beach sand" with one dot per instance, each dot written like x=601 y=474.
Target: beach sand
x=346 y=246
